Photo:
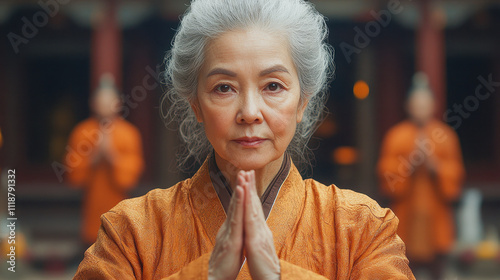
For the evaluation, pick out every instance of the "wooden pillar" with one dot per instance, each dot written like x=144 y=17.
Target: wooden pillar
x=13 y=153
x=106 y=52
x=141 y=88
x=3 y=105
x=365 y=126
x=496 y=99
x=430 y=51
x=391 y=86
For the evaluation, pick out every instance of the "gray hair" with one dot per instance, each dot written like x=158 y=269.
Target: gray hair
x=420 y=83
x=303 y=26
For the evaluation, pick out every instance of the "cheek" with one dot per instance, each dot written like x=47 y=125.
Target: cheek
x=217 y=123
x=283 y=122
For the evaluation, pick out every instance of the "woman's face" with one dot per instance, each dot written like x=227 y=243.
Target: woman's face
x=248 y=97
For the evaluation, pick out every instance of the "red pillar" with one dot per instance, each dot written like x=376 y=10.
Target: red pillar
x=391 y=85
x=106 y=52
x=430 y=52
x=142 y=88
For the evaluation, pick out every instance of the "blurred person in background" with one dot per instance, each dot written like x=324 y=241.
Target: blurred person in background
x=421 y=171
x=248 y=85
x=105 y=157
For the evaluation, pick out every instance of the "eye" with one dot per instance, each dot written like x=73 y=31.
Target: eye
x=274 y=86
x=223 y=88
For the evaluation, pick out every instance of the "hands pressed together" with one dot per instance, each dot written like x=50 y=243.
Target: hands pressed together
x=103 y=150
x=244 y=234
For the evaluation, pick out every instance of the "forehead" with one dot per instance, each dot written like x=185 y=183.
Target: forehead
x=247 y=48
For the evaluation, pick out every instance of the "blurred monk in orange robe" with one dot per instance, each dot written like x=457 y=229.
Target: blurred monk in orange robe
x=105 y=158
x=421 y=171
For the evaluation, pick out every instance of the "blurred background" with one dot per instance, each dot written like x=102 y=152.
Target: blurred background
x=52 y=53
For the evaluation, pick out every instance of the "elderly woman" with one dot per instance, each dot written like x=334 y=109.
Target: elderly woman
x=248 y=84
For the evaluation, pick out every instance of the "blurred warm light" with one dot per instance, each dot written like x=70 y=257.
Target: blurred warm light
x=1 y=139
x=487 y=250
x=327 y=128
x=345 y=155
x=361 y=89
x=21 y=248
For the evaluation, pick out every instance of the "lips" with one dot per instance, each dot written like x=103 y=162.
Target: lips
x=250 y=141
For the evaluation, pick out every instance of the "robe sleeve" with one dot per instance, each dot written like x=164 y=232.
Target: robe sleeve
x=384 y=256
x=450 y=170
x=393 y=184
x=109 y=259
x=128 y=162
x=78 y=159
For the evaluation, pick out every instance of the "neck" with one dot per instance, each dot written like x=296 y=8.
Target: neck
x=263 y=176
x=421 y=123
x=107 y=118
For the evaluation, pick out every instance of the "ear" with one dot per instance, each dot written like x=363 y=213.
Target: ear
x=195 y=105
x=301 y=109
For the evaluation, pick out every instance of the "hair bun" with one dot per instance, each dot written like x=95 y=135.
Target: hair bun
x=420 y=80
x=107 y=81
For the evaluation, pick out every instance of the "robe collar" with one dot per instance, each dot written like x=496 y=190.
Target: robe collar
x=287 y=205
x=224 y=191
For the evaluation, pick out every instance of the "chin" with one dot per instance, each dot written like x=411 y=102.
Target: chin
x=252 y=161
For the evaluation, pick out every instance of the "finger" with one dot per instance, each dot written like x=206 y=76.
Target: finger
x=236 y=222
x=230 y=209
x=254 y=217
x=257 y=198
x=232 y=205
x=251 y=179
x=254 y=197
x=253 y=185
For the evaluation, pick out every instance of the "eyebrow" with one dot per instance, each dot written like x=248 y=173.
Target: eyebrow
x=272 y=69
x=221 y=71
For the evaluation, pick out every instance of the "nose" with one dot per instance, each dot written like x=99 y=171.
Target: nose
x=250 y=108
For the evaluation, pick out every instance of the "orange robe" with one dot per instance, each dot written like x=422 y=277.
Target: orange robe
x=422 y=200
x=105 y=183
x=320 y=232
